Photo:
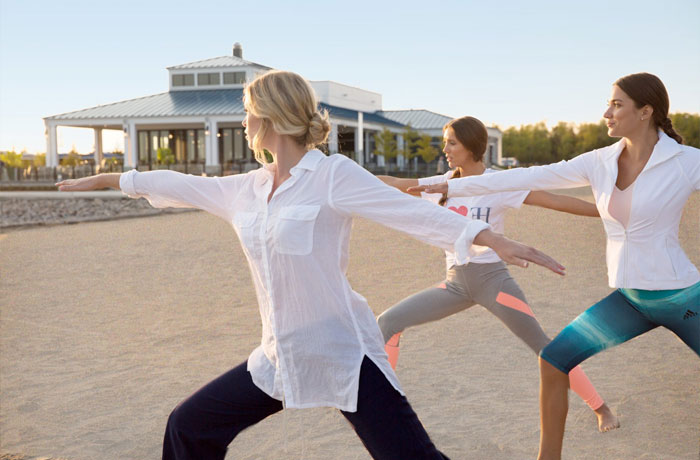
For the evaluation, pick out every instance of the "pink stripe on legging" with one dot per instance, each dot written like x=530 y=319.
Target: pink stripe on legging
x=514 y=303
x=392 y=350
x=579 y=383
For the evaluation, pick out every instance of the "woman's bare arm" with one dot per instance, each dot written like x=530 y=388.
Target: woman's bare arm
x=399 y=183
x=562 y=203
x=85 y=184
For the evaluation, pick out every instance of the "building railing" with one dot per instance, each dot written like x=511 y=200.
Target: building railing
x=47 y=175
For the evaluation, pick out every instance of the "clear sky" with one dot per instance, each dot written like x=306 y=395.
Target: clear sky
x=505 y=62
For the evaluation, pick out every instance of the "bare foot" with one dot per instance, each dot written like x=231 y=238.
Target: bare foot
x=607 y=421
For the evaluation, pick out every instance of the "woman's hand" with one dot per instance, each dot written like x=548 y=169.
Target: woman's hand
x=85 y=184
x=516 y=253
x=435 y=188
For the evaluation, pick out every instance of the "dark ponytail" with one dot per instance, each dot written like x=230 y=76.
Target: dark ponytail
x=455 y=175
x=647 y=89
x=667 y=126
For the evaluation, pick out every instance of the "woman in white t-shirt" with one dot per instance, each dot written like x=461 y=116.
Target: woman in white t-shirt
x=481 y=277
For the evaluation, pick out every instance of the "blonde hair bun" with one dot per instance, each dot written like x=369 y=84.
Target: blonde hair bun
x=319 y=127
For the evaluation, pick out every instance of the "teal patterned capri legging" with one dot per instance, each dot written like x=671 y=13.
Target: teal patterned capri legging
x=623 y=315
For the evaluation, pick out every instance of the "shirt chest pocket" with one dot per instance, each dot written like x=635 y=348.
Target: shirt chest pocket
x=294 y=232
x=244 y=223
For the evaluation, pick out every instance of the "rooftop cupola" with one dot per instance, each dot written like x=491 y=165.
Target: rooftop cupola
x=238 y=50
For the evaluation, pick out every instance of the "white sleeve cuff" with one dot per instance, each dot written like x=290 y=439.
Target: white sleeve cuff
x=450 y=189
x=466 y=239
x=126 y=184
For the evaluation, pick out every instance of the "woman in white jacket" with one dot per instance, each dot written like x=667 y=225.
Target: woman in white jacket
x=320 y=342
x=641 y=185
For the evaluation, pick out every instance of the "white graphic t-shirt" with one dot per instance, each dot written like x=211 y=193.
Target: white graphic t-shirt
x=489 y=208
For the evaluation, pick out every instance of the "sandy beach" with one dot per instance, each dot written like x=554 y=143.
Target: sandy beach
x=106 y=326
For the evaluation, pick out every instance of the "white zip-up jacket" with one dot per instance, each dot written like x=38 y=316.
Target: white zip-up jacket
x=646 y=254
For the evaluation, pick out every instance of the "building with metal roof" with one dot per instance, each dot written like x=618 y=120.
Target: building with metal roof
x=196 y=126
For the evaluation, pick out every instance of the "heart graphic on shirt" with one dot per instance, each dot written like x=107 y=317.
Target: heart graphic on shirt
x=461 y=210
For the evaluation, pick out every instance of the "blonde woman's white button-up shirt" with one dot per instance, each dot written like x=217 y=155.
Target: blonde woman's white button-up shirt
x=646 y=254
x=315 y=329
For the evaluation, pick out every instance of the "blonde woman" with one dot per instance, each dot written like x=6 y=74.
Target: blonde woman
x=320 y=342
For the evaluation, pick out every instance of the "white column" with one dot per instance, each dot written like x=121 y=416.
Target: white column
x=51 y=145
x=399 y=147
x=98 y=147
x=211 y=144
x=360 y=139
x=130 y=137
x=380 y=159
x=333 y=139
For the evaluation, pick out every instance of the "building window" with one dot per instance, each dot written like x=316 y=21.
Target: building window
x=226 y=146
x=239 y=145
x=186 y=79
x=143 y=148
x=191 y=146
x=153 y=135
x=234 y=78
x=201 y=152
x=208 y=79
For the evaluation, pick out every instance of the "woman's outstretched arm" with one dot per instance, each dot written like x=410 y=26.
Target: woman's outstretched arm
x=562 y=203
x=86 y=184
x=356 y=192
x=167 y=189
x=565 y=174
x=400 y=183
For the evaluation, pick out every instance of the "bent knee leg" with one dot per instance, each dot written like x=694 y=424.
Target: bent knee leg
x=183 y=421
x=388 y=325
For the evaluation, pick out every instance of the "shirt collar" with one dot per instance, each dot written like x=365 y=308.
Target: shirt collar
x=664 y=149
x=309 y=161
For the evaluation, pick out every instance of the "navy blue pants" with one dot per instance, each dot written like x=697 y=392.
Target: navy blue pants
x=202 y=426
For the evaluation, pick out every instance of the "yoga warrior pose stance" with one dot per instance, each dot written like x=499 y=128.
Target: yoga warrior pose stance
x=482 y=277
x=320 y=342
x=641 y=185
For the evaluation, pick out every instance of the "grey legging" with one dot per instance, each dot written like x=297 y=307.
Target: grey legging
x=491 y=286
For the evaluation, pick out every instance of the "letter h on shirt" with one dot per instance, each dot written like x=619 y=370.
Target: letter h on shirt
x=477 y=213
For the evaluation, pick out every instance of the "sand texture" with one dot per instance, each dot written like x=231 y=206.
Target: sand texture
x=106 y=326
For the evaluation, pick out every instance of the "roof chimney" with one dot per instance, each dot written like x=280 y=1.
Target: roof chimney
x=238 y=50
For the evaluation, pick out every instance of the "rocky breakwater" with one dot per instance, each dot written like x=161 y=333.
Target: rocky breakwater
x=19 y=209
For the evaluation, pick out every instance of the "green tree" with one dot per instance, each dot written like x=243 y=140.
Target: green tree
x=165 y=156
x=11 y=159
x=535 y=144
x=73 y=158
x=514 y=144
x=39 y=159
x=539 y=146
x=385 y=145
x=425 y=148
x=563 y=138
x=410 y=142
x=688 y=126
x=593 y=136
